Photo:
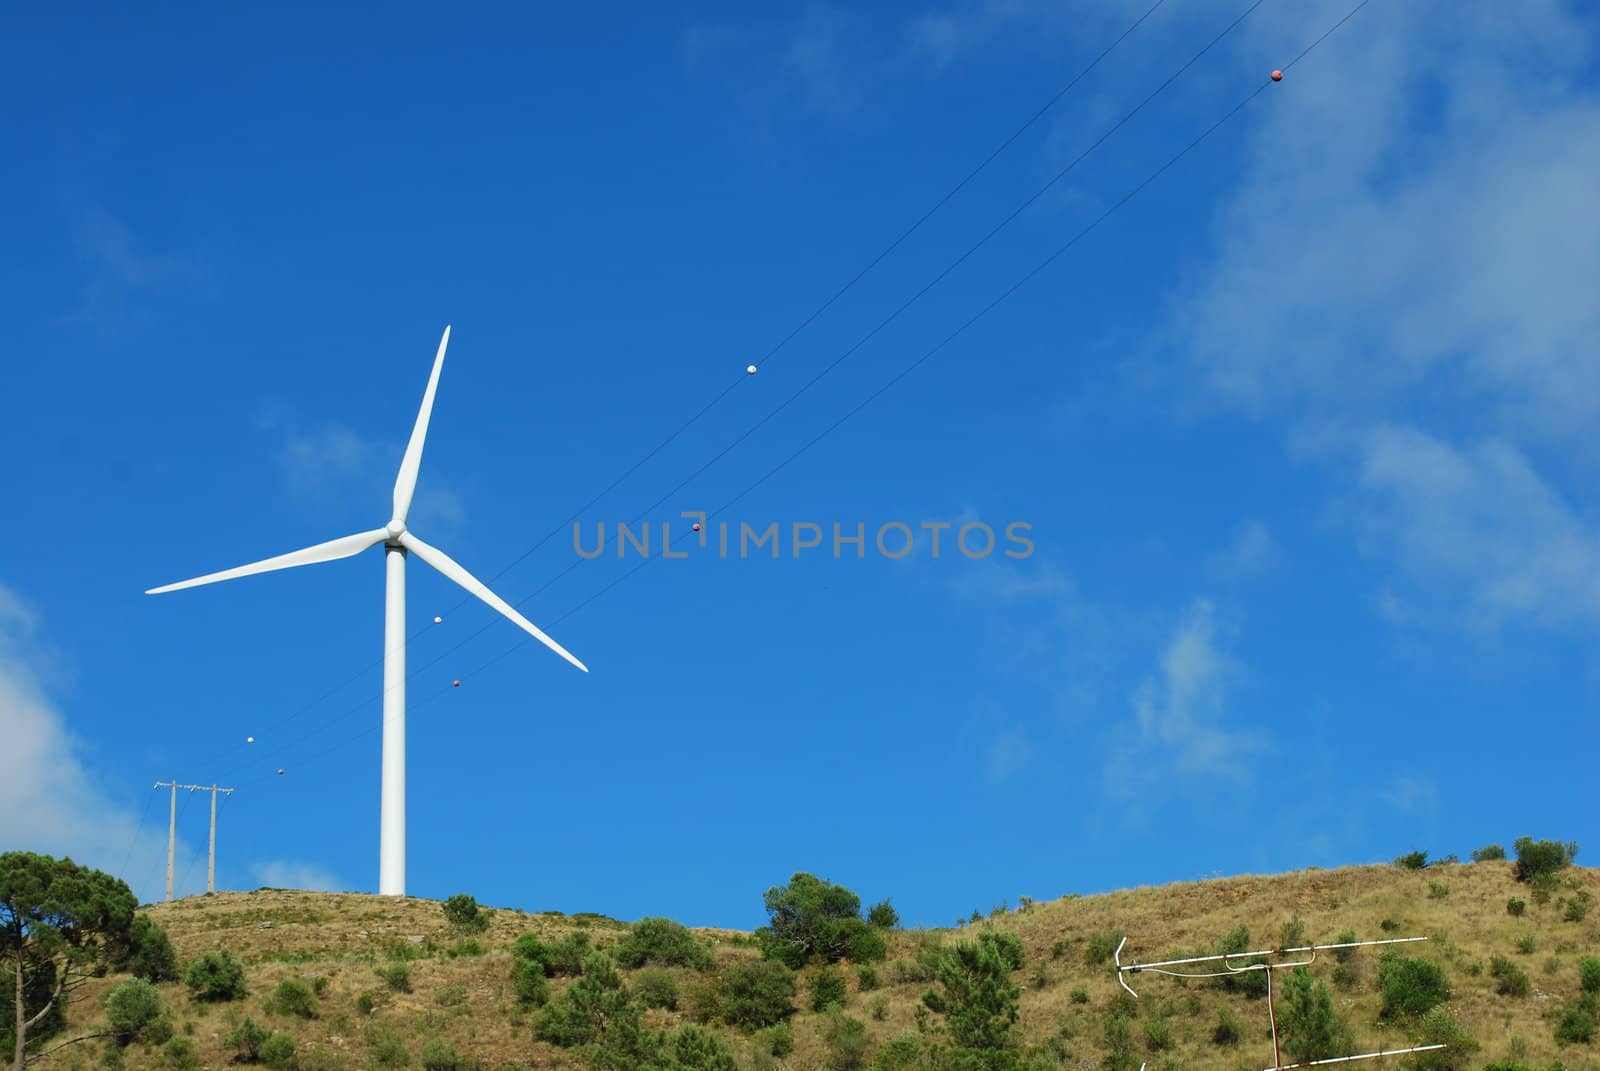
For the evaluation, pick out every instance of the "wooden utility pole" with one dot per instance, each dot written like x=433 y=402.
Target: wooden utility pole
x=172 y=831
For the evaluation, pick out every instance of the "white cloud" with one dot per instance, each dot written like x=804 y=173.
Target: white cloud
x=295 y=874
x=122 y=276
x=49 y=801
x=1413 y=256
x=333 y=463
x=1008 y=753
x=1480 y=524
x=1252 y=550
x=1410 y=795
x=1177 y=729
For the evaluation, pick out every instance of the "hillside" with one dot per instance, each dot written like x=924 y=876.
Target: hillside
x=468 y=1000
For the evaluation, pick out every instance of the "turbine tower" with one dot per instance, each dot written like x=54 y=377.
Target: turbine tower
x=397 y=542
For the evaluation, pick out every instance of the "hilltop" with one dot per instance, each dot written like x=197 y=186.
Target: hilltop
x=462 y=993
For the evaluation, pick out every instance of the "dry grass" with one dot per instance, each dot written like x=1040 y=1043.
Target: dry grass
x=467 y=1000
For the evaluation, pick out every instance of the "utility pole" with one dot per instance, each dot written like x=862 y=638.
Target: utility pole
x=172 y=831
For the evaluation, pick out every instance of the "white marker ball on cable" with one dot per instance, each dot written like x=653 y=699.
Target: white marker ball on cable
x=751 y=370
x=249 y=739
x=438 y=620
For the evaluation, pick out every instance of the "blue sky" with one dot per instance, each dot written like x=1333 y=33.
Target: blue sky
x=1301 y=432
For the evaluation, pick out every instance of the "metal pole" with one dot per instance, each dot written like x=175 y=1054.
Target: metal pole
x=1272 y=1017
x=211 y=861
x=172 y=836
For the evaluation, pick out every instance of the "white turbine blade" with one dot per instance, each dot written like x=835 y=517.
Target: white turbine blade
x=406 y=482
x=447 y=565
x=332 y=550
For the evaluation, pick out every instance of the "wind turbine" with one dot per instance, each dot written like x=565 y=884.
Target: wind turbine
x=397 y=543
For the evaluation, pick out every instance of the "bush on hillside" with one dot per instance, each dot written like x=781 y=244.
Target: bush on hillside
x=146 y=952
x=827 y=989
x=883 y=916
x=215 y=976
x=1439 y=1027
x=278 y=1051
x=1488 y=853
x=1510 y=980
x=1516 y=907
x=1411 y=987
x=1412 y=861
x=131 y=1008
x=1589 y=974
x=810 y=918
x=655 y=988
x=662 y=942
x=1251 y=983
x=293 y=997
x=246 y=1040
x=751 y=995
x=1536 y=857
x=587 y=1008
x=976 y=993
x=464 y=915
x=1311 y=1029
x=1575 y=1025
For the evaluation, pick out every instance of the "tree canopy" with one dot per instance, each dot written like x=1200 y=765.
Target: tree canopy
x=55 y=917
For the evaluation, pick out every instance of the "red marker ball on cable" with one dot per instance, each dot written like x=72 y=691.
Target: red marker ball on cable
x=695 y=526
x=1277 y=76
x=455 y=684
x=280 y=773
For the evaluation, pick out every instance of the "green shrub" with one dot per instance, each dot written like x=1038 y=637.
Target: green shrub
x=1310 y=1027
x=583 y=1011
x=1292 y=934
x=880 y=1008
x=1516 y=907
x=1575 y=1025
x=146 y=953
x=976 y=993
x=131 y=1008
x=1438 y=890
x=656 y=988
x=664 y=943
x=752 y=995
x=810 y=918
x=386 y=1047
x=439 y=1055
x=528 y=982
x=1488 y=853
x=902 y=1053
x=293 y=997
x=1227 y=1030
x=1412 y=861
x=1347 y=976
x=867 y=978
x=778 y=1039
x=566 y=957
x=1157 y=1035
x=450 y=995
x=1576 y=909
x=1524 y=943
x=1589 y=974
x=1541 y=857
x=1388 y=925
x=1510 y=980
x=1541 y=887
x=1250 y=983
x=246 y=1040
x=846 y=1039
x=278 y=1051
x=883 y=916
x=366 y=1002
x=397 y=976
x=1121 y=1054
x=694 y=1048
x=1410 y=987
x=1079 y=996
x=465 y=947
x=1439 y=1027
x=180 y=1054
x=827 y=989
x=464 y=915
x=215 y=976
x=1100 y=947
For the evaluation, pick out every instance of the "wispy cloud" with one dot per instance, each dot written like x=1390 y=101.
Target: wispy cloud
x=1178 y=728
x=295 y=874
x=1251 y=551
x=1410 y=795
x=49 y=801
x=332 y=463
x=1477 y=524
x=122 y=276
x=1410 y=263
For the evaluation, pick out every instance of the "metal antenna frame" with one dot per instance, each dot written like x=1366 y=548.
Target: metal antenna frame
x=1160 y=967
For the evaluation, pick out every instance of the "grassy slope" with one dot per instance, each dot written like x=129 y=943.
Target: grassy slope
x=287 y=934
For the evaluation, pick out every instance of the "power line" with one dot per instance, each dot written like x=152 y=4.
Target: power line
x=767 y=356
x=903 y=373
